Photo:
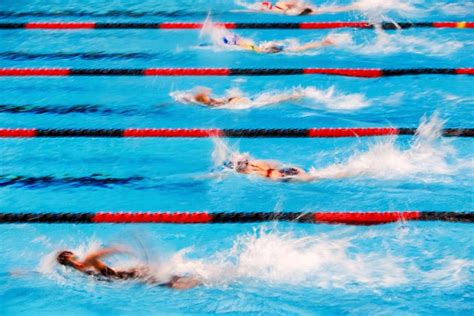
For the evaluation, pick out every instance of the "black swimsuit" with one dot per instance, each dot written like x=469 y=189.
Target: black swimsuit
x=106 y=274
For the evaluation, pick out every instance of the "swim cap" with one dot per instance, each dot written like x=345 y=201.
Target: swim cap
x=267 y=4
x=240 y=161
x=63 y=257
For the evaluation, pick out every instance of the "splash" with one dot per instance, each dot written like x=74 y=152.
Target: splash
x=428 y=157
x=309 y=97
x=376 y=10
x=325 y=261
x=459 y=9
x=390 y=43
x=216 y=34
x=333 y=100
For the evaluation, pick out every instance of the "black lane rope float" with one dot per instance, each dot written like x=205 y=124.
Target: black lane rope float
x=215 y=132
x=348 y=72
x=233 y=25
x=348 y=218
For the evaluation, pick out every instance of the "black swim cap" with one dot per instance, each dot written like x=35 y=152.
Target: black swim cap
x=63 y=257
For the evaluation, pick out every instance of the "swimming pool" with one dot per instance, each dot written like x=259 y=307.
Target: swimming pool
x=272 y=268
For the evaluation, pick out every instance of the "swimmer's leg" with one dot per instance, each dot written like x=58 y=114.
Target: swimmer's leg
x=182 y=283
x=311 y=45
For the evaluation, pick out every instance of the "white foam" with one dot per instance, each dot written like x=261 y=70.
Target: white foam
x=377 y=10
x=385 y=43
x=323 y=261
x=453 y=8
x=427 y=158
x=333 y=100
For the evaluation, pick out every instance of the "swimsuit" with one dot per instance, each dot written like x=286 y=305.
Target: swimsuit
x=285 y=172
x=111 y=273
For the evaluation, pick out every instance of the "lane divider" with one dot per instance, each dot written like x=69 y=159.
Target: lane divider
x=233 y=25
x=348 y=218
x=348 y=72
x=216 y=132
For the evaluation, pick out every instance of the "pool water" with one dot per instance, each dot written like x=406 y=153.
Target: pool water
x=272 y=268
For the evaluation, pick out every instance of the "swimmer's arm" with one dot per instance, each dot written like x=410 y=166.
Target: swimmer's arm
x=312 y=45
x=183 y=283
x=264 y=164
x=93 y=259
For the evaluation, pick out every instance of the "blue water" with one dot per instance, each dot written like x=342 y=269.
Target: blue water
x=409 y=268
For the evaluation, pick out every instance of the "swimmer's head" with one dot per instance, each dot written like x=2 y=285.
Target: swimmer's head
x=266 y=5
x=240 y=162
x=64 y=257
x=306 y=11
x=271 y=48
x=202 y=97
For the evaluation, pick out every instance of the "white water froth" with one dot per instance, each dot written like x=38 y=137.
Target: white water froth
x=377 y=10
x=460 y=9
x=428 y=157
x=386 y=43
x=309 y=97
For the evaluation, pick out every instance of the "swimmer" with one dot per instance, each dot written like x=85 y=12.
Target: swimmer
x=93 y=265
x=204 y=98
x=300 y=8
x=267 y=169
x=274 y=46
x=234 y=99
x=287 y=7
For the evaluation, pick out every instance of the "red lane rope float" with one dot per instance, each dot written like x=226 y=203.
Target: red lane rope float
x=348 y=218
x=348 y=72
x=233 y=25
x=215 y=132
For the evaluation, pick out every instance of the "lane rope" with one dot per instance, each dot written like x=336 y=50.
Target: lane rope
x=233 y=25
x=215 y=132
x=348 y=218
x=348 y=72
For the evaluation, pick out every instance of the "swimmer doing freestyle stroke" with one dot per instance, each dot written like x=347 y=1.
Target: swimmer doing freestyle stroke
x=271 y=170
x=298 y=7
x=94 y=266
x=203 y=97
x=272 y=47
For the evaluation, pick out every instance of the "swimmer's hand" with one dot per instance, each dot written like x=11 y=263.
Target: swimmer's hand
x=96 y=255
x=327 y=42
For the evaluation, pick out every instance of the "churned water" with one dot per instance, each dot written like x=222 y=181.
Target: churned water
x=271 y=269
